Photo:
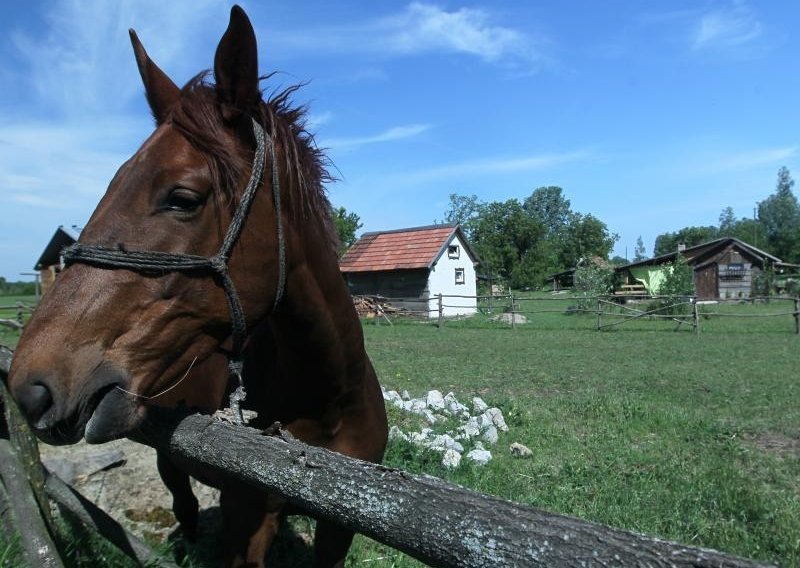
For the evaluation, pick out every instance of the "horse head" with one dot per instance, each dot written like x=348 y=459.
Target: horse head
x=111 y=337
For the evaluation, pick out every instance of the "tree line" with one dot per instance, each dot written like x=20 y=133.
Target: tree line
x=775 y=227
x=524 y=241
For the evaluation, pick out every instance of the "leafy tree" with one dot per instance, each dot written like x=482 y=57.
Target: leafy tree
x=551 y=209
x=678 y=284
x=586 y=236
x=464 y=210
x=639 y=252
x=619 y=261
x=503 y=236
x=346 y=225
x=727 y=222
x=690 y=236
x=780 y=215
x=592 y=280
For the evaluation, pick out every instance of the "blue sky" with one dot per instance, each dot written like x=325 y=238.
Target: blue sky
x=650 y=115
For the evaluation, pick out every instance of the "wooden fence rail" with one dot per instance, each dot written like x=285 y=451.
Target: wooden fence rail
x=436 y=522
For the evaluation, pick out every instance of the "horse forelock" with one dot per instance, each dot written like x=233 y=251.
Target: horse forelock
x=198 y=116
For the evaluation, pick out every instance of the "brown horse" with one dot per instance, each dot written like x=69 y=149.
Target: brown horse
x=125 y=328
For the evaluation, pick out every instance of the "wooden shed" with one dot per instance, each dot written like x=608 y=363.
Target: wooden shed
x=411 y=266
x=723 y=268
x=50 y=264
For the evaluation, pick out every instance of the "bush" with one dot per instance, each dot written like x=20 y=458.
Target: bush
x=591 y=281
x=678 y=284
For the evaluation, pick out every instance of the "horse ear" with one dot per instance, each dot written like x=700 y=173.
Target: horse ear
x=236 y=66
x=161 y=92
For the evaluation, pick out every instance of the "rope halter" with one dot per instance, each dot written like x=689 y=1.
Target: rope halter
x=163 y=262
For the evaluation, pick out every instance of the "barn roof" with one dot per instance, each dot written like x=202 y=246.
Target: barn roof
x=698 y=255
x=416 y=247
x=63 y=237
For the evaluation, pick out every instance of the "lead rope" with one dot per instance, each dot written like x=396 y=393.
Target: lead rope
x=149 y=261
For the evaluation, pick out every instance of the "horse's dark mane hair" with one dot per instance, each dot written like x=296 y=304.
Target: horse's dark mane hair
x=199 y=117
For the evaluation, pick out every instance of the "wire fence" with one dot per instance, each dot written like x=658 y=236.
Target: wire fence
x=598 y=312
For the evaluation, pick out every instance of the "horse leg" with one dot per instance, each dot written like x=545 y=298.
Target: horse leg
x=184 y=503
x=250 y=520
x=331 y=543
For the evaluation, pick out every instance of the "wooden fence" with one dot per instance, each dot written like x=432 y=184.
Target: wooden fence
x=610 y=310
x=438 y=523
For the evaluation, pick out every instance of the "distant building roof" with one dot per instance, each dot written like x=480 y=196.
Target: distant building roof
x=416 y=247
x=63 y=237
x=698 y=254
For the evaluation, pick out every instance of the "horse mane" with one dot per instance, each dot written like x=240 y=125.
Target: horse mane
x=198 y=116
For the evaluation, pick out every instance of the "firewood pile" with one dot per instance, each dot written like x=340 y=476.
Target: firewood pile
x=372 y=306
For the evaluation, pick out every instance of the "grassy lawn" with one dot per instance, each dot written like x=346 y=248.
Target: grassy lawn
x=689 y=438
x=694 y=439
x=8 y=310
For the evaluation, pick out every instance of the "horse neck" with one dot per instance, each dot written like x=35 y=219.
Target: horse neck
x=316 y=324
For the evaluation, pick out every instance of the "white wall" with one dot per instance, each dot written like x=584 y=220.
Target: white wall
x=442 y=280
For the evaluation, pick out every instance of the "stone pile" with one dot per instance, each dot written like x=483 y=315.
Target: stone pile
x=453 y=429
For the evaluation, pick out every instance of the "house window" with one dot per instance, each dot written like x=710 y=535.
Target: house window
x=453 y=251
x=460 y=276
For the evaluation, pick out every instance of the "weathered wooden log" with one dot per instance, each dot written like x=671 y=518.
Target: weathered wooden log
x=24 y=510
x=436 y=522
x=101 y=522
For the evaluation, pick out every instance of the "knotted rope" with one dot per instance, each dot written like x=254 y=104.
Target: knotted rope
x=164 y=262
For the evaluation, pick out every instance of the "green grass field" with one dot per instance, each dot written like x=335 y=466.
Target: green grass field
x=688 y=438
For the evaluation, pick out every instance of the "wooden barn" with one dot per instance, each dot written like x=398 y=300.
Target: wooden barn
x=723 y=268
x=411 y=266
x=49 y=264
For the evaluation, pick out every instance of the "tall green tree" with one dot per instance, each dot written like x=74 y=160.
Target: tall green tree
x=551 y=209
x=780 y=215
x=639 y=252
x=346 y=225
x=727 y=222
x=690 y=236
x=464 y=210
x=586 y=236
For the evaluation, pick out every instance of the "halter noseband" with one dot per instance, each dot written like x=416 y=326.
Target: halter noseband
x=162 y=262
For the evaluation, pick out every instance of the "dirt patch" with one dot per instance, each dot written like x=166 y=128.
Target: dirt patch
x=776 y=443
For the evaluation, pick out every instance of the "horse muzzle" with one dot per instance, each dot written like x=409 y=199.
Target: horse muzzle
x=97 y=409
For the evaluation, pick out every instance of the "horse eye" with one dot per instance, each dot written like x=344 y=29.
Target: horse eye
x=183 y=200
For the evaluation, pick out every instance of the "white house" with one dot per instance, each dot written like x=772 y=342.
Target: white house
x=411 y=267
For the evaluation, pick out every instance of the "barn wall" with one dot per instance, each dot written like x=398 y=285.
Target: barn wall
x=401 y=286
x=705 y=282
x=443 y=281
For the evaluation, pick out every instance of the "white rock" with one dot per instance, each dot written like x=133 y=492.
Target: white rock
x=490 y=435
x=434 y=400
x=429 y=416
x=480 y=457
x=445 y=442
x=415 y=405
x=405 y=396
x=391 y=396
x=484 y=421
x=396 y=433
x=478 y=406
x=497 y=418
x=478 y=446
x=520 y=451
x=421 y=437
x=451 y=459
x=470 y=429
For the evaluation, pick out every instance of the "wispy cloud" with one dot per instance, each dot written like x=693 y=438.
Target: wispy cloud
x=392 y=134
x=81 y=62
x=422 y=29
x=750 y=159
x=500 y=165
x=725 y=28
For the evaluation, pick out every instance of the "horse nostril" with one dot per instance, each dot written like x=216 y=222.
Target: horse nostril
x=34 y=400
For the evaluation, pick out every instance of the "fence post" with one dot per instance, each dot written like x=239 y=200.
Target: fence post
x=441 y=311
x=695 y=317
x=599 y=315
x=797 y=315
x=513 y=312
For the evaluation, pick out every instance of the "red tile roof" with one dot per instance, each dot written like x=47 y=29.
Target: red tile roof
x=392 y=250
